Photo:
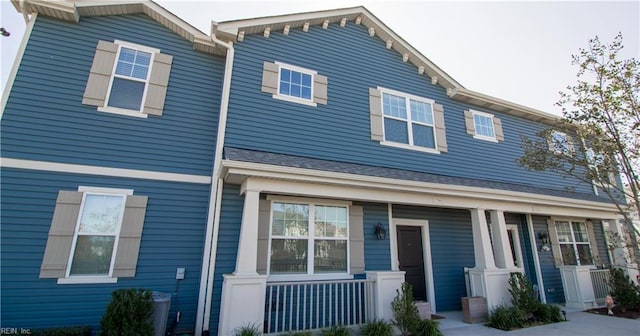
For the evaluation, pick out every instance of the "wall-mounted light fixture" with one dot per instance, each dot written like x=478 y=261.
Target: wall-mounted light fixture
x=380 y=232
x=544 y=239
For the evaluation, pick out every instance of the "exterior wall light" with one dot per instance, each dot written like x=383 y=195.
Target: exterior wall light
x=380 y=232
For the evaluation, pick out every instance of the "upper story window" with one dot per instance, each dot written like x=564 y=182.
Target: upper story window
x=601 y=168
x=402 y=120
x=128 y=79
x=574 y=243
x=308 y=238
x=483 y=126
x=294 y=84
x=560 y=143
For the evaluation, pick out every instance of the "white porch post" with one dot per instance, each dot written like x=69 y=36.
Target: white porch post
x=481 y=240
x=385 y=287
x=621 y=253
x=501 y=246
x=244 y=291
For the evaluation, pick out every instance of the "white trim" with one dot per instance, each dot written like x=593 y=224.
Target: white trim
x=395 y=263
x=493 y=126
x=101 y=190
x=426 y=253
x=290 y=98
x=137 y=46
x=86 y=280
x=121 y=111
x=536 y=258
x=516 y=244
x=102 y=171
x=308 y=200
x=410 y=147
x=16 y=63
x=309 y=277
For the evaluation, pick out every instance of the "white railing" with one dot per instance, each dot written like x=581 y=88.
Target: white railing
x=294 y=306
x=600 y=281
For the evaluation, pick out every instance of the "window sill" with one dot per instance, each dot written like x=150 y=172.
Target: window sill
x=485 y=138
x=87 y=280
x=130 y=113
x=309 y=277
x=414 y=148
x=295 y=100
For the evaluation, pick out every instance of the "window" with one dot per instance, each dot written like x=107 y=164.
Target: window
x=94 y=236
x=402 y=120
x=560 y=143
x=483 y=126
x=294 y=84
x=308 y=238
x=128 y=79
x=574 y=243
x=601 y=168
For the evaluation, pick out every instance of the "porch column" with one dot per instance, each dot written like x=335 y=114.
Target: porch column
x=621 y=253
x=501 y=246
x=247 y=261
x=481 y=240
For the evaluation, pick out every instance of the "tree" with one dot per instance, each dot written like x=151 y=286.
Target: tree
x=598 y=137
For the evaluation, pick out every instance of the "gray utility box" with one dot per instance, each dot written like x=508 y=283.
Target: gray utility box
x=161 y=304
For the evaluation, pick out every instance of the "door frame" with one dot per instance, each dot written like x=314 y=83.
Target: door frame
x=426 y=253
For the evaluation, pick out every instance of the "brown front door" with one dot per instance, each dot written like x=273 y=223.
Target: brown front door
x=410 y=256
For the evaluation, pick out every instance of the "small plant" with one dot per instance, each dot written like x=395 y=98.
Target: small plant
x=63 y=331
x=547 y=313
x=376 y=328
x=128 y=313
x=336 y=331
x=522 y=295
x=248 y=330
x=299 y=333
x=427 y=328
x=506 y=318
x=405 y=312
x=624 y=292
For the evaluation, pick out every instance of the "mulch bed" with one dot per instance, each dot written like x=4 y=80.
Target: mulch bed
x=616 y=312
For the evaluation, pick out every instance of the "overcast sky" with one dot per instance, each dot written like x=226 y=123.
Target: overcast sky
x=517 y=50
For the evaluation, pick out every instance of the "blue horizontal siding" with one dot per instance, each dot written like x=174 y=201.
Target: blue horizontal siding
x=550 y=274
x=45 y=120
x=377 y=253
x=173 y=236
x=340 y=131
x=451 y=241
x=600 y=244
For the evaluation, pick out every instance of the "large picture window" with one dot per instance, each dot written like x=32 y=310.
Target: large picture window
x=573 y=239
x=308 y=238
x=408 y=120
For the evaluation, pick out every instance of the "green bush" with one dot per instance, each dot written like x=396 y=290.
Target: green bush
x=248 y=330
x=129 y=313
x=336 y=331
x=376 y=328
x=299 y=333
x=63 y=331
x=427 y=328
x=547 y=313
x=405 y=312
x=522 y=295
x=623 y=291
x=506 y=318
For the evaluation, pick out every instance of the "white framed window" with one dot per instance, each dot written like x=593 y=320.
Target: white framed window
x=308 y=239
x=560 y=143
x=295 y=84
x=573 y=238
x=408 y=121
x=483 y=126
x=600 y=168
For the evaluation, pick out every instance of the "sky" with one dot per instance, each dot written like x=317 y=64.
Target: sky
x=519 y=51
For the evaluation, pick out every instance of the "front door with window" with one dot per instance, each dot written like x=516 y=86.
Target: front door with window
x=410 y=257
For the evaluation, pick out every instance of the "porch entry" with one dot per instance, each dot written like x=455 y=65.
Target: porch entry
x=411 y=260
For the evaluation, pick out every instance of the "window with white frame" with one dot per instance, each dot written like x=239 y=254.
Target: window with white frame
x=294 y=84
x=96 y=234
x=308 y=238
x=130 y=76
x=484 y=125
x=408 y=119
x=600 y=168
x=573 y=239
x=560 y=143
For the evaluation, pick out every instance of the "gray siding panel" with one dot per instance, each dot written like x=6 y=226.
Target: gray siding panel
x=173 y=236
x=355 y=62
x=45 y=119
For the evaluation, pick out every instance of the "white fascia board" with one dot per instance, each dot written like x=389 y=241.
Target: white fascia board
x=411 y=192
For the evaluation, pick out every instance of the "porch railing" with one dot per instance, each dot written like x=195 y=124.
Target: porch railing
x=293 y=306
x=600 y=282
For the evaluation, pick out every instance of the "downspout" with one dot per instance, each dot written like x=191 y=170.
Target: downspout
x=23 y=9
x=213 y=218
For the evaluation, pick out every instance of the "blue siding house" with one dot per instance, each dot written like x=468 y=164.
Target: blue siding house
x=298 y=167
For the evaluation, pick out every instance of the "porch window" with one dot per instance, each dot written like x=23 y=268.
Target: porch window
x=308 y=238
x=573 y=239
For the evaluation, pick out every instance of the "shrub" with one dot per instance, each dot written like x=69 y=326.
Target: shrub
x=506 y=318
x=336 y=331
x=128 y=313
x=547 y=313
x=63 y=331
x=376 y=328
x=299 y=333
x=405 y=312
x=522 y=295
x=248 y=330
x=624 y=292
x=427 y=328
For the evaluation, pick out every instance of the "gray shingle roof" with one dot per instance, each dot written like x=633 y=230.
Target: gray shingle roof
x=246 y=155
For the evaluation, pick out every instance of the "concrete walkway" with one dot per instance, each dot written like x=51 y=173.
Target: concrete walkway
x=578 y=324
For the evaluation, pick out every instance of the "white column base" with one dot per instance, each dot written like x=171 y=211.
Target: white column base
x=385 y=290
x=242 y=303
x=492 y=284
x=577 y=285
x=633 y=272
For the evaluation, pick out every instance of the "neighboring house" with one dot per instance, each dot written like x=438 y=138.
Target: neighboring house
x=300 y=176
